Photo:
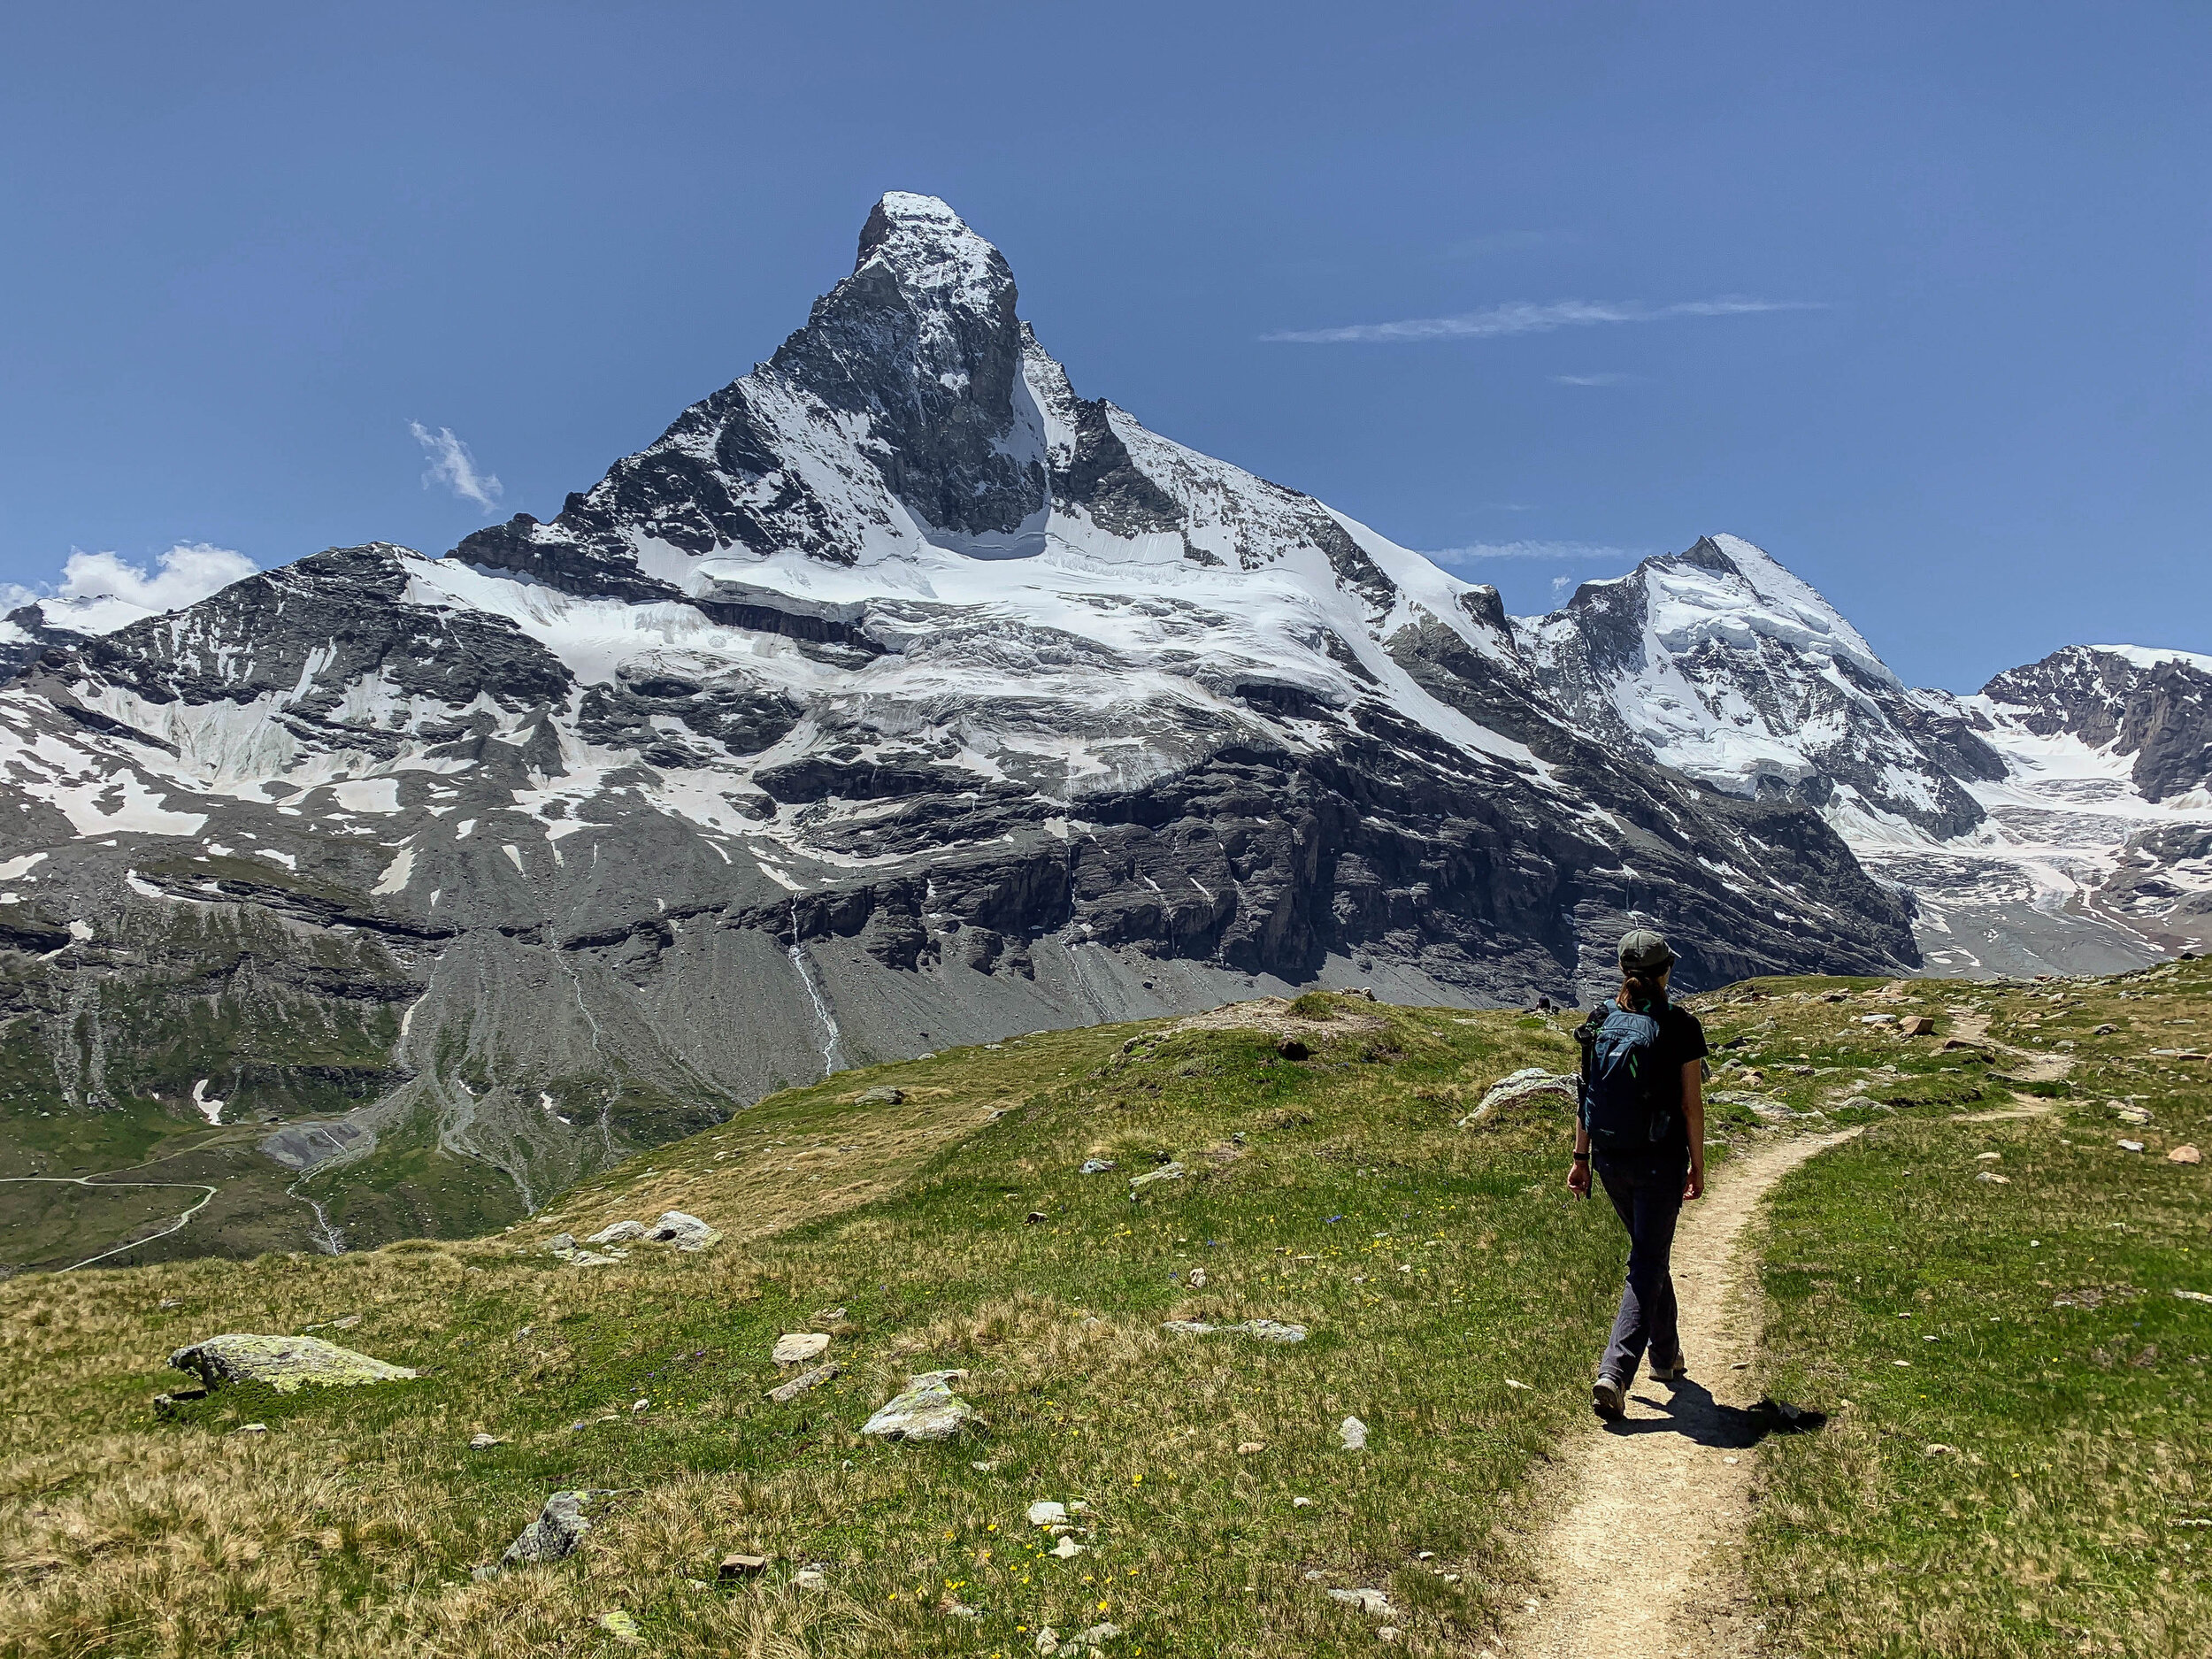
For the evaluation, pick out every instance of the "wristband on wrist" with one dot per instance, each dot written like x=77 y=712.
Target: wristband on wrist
x=1582 y=1157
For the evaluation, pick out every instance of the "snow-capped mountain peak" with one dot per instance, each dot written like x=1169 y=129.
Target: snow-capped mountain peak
x=1721 y=663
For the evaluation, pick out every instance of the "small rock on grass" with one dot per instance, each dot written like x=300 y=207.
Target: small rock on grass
x=1044 y=1512
x=1195 y=1278
x=1095 y=1166
x=799 y=1348
x=2131 y=1146
x=623 y=1628
x=810 y=1579
x=1992 y=1176
x=620 y=1233
x=2184 y=1154
x=1251 y=1446
x=1067 y=1549
x=553 y=1536
x=785 y=1393
x=1263 y=1330
x=1353 y=1433
x=1374 y=1604
x=926 y=1409
x=743 y=1566
x=1050 y=1642
x=882 y=1095
x=482 y=1442
x=1151 y=1178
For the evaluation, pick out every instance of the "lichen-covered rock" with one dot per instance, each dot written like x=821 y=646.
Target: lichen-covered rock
x=620 y=1232
x=286 y=1363
x=1151 y=1178
x=685 y=1232
x=926 y=1409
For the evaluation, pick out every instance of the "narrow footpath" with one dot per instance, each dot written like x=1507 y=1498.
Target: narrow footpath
x=1632 y=1569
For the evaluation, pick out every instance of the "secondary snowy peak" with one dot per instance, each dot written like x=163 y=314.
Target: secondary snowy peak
x=1721 y=663
x=2151 y=707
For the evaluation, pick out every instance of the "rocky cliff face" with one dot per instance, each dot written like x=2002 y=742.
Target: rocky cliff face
x=896 y=696
x=2153 y=707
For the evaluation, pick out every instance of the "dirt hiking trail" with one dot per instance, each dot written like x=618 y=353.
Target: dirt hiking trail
x=1633 y=1567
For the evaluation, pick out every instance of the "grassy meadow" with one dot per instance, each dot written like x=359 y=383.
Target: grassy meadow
x=2018 y=1459
x=1431 y=1265
x=1455 y=1296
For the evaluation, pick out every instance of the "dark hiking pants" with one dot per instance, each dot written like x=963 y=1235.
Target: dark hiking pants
x=1647 y=1196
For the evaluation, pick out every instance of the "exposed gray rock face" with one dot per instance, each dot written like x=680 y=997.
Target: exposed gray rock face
x=27 y=632
x=896 y=697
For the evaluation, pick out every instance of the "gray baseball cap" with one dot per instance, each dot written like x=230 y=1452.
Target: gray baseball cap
x=1644 y=951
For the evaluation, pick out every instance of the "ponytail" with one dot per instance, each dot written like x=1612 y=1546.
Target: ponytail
x=1639 y=990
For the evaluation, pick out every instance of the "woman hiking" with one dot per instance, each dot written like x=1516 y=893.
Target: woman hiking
x=1641 y=1127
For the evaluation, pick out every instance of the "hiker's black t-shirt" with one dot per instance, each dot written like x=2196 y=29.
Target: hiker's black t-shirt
x=1681 y=1041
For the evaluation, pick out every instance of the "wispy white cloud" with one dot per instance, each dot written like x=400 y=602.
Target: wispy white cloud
x=1560 y=583
x=452 y=466
x=1594 y=379
x=1524 y=316
x=101 y=592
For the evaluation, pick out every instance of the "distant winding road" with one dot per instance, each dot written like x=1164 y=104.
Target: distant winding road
x=96 y=1181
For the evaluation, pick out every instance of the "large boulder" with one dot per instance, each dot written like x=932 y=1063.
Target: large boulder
x=1531 y=1086
x=685 y=1232
x=286 y=1363
x=927 y=1409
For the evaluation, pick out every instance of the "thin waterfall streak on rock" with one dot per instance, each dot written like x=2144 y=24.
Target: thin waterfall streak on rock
x=833 y=1040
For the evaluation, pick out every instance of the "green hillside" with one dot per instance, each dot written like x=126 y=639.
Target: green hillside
x=931 y=1216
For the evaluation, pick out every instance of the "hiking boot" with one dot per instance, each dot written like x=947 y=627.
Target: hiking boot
x=1671 y=1373
x=1608 y=1398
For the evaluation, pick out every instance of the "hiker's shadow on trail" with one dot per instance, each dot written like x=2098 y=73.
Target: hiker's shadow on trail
x=1692 y=1411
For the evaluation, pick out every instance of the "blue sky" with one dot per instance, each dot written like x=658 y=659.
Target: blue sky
x=1915 y=297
